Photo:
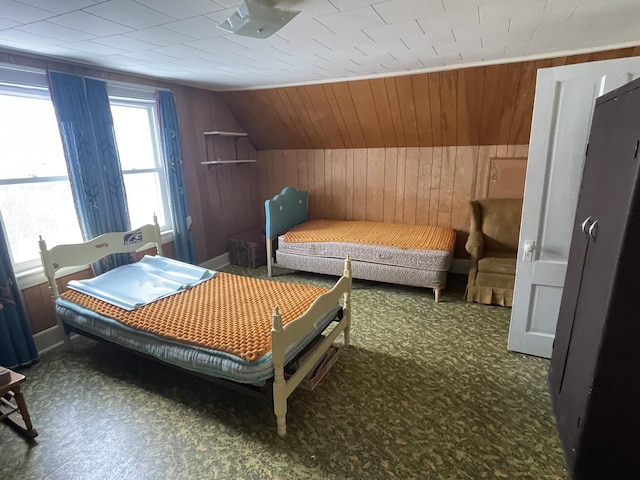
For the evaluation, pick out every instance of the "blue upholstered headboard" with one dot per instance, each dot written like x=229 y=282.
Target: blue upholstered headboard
x=286 y=210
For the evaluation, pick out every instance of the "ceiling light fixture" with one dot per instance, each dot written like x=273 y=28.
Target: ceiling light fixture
x=257 y=19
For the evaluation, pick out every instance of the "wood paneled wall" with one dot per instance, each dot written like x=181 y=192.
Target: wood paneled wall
x=415 y=185
x=489 y=105
x=38 y=303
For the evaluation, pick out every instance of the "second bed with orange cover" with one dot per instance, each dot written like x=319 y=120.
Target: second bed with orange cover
x=418 y=255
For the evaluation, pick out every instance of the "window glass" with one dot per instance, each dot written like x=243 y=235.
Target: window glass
x=141 y=161
x=134 y=135
x=30 y=210
x=145 y=197
x=35 y=195
x=30 y=144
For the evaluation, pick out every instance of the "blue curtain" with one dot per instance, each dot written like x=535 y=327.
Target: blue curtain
x=86 y=125
x=16 y=343
x=170 y=133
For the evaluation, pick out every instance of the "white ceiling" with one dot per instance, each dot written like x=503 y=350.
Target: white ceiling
x=178 y=40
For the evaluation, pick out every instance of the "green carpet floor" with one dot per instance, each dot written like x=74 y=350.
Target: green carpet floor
x=425 y=391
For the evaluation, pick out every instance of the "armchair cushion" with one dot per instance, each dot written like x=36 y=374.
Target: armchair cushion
x=498 y=263
x=493 y=246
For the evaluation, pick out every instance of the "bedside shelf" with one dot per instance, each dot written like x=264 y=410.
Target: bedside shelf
x=224 y=162
x=211 y=149
x=226 y=134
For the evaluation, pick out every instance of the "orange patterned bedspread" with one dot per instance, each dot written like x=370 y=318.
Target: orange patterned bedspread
x=228 y=313
x=425 y=237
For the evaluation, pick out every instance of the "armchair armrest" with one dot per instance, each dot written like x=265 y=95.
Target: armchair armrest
x=475 y=244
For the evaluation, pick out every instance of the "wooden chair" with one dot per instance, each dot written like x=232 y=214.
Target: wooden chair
x=15 y=413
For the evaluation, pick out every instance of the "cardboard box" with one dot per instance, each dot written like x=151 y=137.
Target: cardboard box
x=318 y=372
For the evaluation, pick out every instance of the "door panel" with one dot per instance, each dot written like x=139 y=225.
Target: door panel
x=563 y=107
x=544 y=301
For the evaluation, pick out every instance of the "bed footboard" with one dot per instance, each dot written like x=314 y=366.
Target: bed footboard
x=283 y=337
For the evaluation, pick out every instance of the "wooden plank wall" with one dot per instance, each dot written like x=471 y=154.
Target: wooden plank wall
x=489 y=105
x=414 y=185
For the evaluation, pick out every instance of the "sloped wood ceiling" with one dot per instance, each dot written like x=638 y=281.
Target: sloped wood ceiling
x=489 y=105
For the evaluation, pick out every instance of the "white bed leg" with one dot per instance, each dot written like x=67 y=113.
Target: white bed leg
x=280 y=401
x=279 y=383
x=269 y=256
x=436 y=292
x=281 y=420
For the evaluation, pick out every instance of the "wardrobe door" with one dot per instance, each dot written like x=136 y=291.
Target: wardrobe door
x=592 y=173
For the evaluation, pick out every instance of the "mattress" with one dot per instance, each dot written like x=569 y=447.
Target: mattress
x=220 y=328
x=438 y=260
x=412 y=246
x=205 y=361
x=418 y=277
x=426 y=237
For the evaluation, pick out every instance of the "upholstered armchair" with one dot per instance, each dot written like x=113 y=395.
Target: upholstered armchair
x=493 y=246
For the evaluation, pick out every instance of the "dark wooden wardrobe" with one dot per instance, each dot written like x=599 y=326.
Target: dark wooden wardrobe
x=594 y=376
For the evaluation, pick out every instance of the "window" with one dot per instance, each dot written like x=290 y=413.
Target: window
x=35 y=195
x=139 y=148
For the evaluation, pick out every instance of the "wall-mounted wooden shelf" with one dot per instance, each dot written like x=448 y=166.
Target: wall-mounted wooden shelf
x=226 y=134
x=220 y=133
x=223 y=162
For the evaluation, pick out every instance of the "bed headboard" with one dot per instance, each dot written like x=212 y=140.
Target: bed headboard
x=287 y=209
x=85 y=253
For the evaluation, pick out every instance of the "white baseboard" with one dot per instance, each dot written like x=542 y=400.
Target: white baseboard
x=460 y=265
x=216 y=262
x=49 y=339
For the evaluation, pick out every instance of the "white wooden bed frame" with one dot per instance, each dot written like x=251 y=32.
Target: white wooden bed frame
x=282 y=337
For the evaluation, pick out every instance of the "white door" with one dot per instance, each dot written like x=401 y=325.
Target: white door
x=562 y=111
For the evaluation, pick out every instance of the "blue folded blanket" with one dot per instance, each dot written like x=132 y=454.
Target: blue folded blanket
x=135 y=285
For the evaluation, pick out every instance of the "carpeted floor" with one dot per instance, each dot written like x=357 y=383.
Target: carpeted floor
x=426 y=391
